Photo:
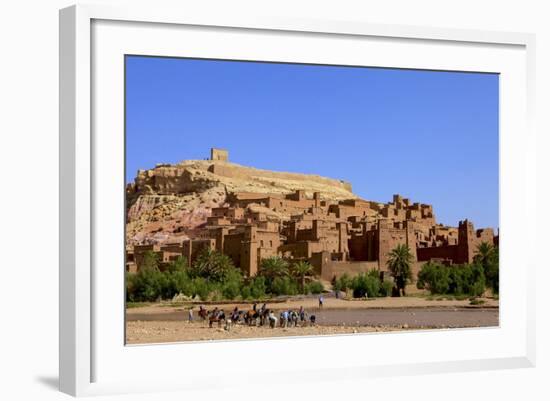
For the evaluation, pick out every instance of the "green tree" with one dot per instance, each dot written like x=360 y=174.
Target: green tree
x=435 y=277
x=455 y=279
x=212 y=265
x=315 y=287
x=484 y=254
x=284 y=286
x=150 y=261
x=399 y=264
x=147 y=285
x=273 y=267
x=477 y=282
x=365 y=284
x=233 y=283
x=487 y=257
x=343 y=283
x=255 y=288
x=181 y=264
x=301 y=270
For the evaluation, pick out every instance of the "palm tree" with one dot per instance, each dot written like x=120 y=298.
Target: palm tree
x=273 y=267
x=212 y=265
x=399 y=264
x=302 y=269
x=484 y=253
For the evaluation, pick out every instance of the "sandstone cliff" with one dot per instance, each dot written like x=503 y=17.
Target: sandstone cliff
x=171 y=202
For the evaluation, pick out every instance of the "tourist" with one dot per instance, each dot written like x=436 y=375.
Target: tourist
x=293 y=318
x=302 y=314
x=263 y=314
x=321 y=300
x=203 y=313
x=312 y=320
x=190 y=314
x=235 y=315
x=272 y=319
x=284 y=318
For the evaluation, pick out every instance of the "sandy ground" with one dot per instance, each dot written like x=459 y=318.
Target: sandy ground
x=164 y=323
x=312 y=303
x=140 y=332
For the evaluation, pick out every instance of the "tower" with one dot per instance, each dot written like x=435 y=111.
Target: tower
x=219 y=154
x=317 y=199
x=466 y=242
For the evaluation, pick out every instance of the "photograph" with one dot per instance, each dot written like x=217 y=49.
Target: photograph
x=276 y=199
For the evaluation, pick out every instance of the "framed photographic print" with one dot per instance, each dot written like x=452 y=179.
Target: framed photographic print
x=234 y=187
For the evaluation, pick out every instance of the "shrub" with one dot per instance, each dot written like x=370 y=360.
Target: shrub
x=457 y=280
x=487 y=256
x=434 y=277
x=179 y=265
x=147 y=285
x=467 y=279
x=215 y=294
x=254 y=289
x=200 y=288
x=368 y=284
x=477 y=280
x=150 y=261
x=182 y=282
x=315 y=287
x=284 y=286
x=386 y=288
x=246 y=293
x=231 y=287
x=258 y=287
x=130 y=287
x=365 y=285
x=343 y=283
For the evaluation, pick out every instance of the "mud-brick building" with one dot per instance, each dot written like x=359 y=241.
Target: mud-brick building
x=219 y=154
x=318 y=235
x=461 y=251
x=248 y=245
x=347 y=236
x=168 y=253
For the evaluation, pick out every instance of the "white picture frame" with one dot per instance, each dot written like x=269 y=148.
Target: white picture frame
x=93 y=358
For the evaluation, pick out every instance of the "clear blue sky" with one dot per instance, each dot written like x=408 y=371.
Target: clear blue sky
x=431 y=136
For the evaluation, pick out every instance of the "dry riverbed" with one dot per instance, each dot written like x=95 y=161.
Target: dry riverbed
x=143 y=332
x=164 y=323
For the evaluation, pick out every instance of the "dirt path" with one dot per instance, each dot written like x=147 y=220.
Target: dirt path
x=311 y=302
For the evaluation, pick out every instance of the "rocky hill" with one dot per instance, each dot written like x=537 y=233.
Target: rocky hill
x=172 y=202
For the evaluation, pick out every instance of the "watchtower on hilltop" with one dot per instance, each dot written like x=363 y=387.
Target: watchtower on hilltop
x=219 y=154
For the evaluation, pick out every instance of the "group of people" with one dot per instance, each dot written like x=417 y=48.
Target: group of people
x=289 y=318
x=256 y=316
